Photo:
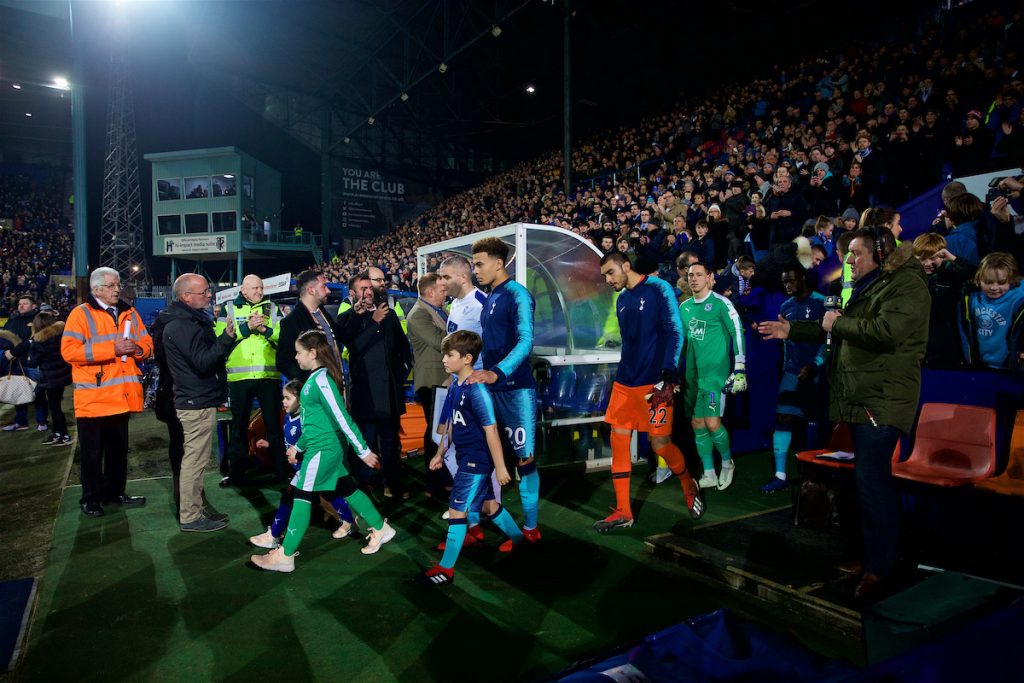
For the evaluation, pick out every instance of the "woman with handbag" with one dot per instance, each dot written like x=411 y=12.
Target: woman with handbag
x=54 y=372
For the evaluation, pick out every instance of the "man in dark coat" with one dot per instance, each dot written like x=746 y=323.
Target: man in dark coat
x=786 y=211
x=380 y=361
x=878 y=342
x=309 y=314
x=196 y=359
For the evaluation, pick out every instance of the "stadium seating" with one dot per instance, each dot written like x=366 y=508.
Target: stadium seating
x=954 y=445
x=1011 y=481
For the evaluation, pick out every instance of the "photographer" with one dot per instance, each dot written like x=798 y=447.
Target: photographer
x=380 y=361
x=877 y=343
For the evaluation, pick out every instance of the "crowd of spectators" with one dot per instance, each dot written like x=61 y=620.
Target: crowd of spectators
x=742 y=171
x=36 y=238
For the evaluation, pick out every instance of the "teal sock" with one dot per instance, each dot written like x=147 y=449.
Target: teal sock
x=529 y=494
x=508 y=526
x=297 y=525
x=704 y=449
x=453 y=544
x=780 y=444
x=473 y=518
x=720 y=439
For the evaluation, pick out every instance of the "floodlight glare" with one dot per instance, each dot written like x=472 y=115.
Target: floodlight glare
x=229 y=175
x=16 y=86
x=348 y=140
x=28 y=114
x=530 y=89
x=404 y=96
x=61 y=83
x=443 y=67
x=495 y=30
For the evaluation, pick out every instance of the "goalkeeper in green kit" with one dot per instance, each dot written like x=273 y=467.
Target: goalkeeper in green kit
x=710 y=327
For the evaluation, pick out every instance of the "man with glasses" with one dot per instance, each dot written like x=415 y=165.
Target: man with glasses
x=104 y=341
x=381 y=359
x=196 y=358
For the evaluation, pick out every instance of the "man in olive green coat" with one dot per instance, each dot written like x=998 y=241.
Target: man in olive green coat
x=877 y=344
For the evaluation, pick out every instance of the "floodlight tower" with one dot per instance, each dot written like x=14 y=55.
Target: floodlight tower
x=122 y=245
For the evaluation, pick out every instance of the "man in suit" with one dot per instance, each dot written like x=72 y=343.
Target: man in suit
x=309 y=314
x=428 y=325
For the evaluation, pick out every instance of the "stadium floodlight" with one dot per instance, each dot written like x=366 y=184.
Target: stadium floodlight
x=16 y=86
x=135 y=269
x=371 y=120
x=28 y=114
x=229 y=175
x=404 y=96
x=442 y=67
x=347 y=140
x=495 y=30
x=61 y=83
x=530 y=89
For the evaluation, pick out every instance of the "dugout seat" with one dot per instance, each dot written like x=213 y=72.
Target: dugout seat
x=841 y=440
x=1010 y=482
x=414 y=424
x=954 y=445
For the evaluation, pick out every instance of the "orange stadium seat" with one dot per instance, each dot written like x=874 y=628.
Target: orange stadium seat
x=1010 y=482
x=839 y=441
x=414 y=424
x=954 y=446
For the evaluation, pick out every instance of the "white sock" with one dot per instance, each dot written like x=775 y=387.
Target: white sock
x=780 y=475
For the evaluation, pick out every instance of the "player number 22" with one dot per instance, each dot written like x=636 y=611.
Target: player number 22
x=658 y=415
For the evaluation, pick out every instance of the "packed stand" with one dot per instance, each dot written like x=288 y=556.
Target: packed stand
x=36 y=238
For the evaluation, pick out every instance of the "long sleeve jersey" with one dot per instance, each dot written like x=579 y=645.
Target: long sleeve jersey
x=709 y=325
x=324 y=418
x=507 y=322
x=652 y=334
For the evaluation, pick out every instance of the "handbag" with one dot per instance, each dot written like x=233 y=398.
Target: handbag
x=17 y=389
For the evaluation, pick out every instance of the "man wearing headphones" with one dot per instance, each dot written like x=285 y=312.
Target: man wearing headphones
x=876 y=345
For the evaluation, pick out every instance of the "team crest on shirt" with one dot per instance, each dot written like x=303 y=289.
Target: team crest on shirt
x=707 y=307
x=452 y=327
x=697 y=329
x=641 y=303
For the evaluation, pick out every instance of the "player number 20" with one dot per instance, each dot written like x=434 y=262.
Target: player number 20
x=658 y=415
x=516 y=437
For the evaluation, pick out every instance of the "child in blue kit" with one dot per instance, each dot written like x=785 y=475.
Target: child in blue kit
x=473 y=431
x=993 y=317
x=271 y=538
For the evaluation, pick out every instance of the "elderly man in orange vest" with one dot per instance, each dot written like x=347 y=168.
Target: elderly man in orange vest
x=104 y=341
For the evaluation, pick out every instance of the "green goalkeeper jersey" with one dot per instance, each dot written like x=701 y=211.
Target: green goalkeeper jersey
x=325 y=422
x=710 y=327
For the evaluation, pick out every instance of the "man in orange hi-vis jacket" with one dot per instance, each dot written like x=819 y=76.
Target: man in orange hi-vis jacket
x=104 y=341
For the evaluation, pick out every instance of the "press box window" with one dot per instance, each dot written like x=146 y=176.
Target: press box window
x=197 y=222
x=224 y=221
x=168 y=225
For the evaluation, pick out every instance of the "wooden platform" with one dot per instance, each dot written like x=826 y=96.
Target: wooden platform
x=774 y=563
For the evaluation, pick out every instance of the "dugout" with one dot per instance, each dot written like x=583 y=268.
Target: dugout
x=573 y=359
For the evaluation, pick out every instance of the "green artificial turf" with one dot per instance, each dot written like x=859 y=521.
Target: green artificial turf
x=128 y=597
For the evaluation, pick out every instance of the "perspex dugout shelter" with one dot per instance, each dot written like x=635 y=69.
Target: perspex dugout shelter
x=576 y=334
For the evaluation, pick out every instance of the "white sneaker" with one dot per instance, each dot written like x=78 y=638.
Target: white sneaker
x=265 y=540
x=728 y=471
x=275 y=561
x=42 y=428
x=378 y=538
x=708 y=480
x=342 y=531
x=445 y=514
x=661 y=474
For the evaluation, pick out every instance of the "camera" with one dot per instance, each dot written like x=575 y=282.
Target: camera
x=379 y=298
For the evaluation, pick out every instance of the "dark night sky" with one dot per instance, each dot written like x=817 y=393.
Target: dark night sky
x=627 y=63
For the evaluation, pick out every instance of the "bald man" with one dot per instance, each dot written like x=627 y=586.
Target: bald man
x=252 y=374
x=195 y=356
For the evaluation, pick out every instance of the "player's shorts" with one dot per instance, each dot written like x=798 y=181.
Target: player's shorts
x=470 y=491
x=789 y=401
x=629 y=409
x=705 y=398
x=320 y=471
x=516 y=412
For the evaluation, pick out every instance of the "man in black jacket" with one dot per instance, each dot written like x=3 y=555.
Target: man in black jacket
x=196 y=359
x=309 y=314
x=381 y=359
